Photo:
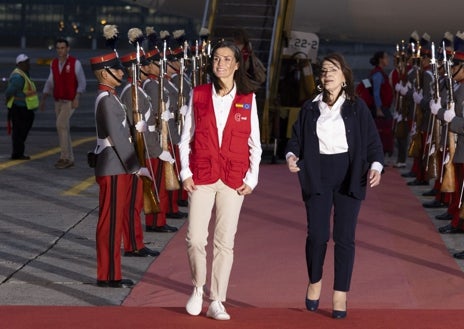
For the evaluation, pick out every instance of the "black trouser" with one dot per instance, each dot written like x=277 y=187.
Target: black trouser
x=318 y=211
x=402 y=144
x=21 y=121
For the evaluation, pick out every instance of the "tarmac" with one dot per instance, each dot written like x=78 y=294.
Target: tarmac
x=48 y=216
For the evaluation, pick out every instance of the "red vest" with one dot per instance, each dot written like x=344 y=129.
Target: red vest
x=208 y=161
x=65 y=82
x=386 y=90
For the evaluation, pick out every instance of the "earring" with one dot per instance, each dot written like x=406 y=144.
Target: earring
x=319 y=88
x=344 y=84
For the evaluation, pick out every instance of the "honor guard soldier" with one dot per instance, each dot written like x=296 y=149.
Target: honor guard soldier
x=430 y=124
x=453 y=114
x=133 y=230
x=171 y=113
x=406 y=90
x=157 y=156
x=441 y=193
x=115 y=169
x=402 y=108
x=447 y=185
x=179 y=59
x=422 y=94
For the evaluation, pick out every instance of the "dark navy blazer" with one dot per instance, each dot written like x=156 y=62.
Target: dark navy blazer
x=364 y=146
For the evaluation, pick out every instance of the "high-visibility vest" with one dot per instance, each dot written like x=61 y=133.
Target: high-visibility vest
x=32 y=102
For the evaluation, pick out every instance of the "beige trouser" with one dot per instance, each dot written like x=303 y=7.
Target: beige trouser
x=64 y=111
x=227 y=204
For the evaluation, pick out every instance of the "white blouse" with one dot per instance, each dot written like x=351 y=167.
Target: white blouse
x=330 y=127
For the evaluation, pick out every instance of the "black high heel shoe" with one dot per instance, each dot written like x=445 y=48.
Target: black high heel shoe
x=312 y=305
x=338 y=314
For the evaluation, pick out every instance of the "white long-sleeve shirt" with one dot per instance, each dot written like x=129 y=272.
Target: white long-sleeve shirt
x=222 y=105
x=331 y=130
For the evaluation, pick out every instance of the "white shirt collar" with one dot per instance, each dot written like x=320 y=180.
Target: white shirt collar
x=231 y=94
x=340 y=99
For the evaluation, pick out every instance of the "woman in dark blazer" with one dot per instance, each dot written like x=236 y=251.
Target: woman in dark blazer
x=336 y=151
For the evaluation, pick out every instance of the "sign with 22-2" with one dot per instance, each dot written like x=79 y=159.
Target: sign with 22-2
x=303 y=42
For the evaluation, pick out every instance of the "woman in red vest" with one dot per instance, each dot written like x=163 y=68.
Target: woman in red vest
x=381 y=88
x=383 y=97
x=220 y=152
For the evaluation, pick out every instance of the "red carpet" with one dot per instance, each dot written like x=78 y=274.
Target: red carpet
x=24 y=317
x=401 y=261
x=404 y=276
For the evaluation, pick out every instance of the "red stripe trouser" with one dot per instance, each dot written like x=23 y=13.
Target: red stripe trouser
x=132 y=227
x=114 y=198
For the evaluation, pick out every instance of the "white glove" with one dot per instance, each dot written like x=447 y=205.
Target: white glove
x=166 y=156
x=404 y=89
x=417 y=97
x=167 y=115
x=141 y=126
x=183 y=110
x=400 y=118
x=398 y=87
x=143 y=171
x=449 y=115
x=435 y=106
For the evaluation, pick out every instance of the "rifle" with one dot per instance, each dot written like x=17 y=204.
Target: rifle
x=202 y=64
x=449 y=145
x=150 y=201
x=415 y=148
x=432 y=166
x=204 y=58
x=401 y=106
x=180 y=95
x=172 y=181
x=397 y=101
x=195 y=66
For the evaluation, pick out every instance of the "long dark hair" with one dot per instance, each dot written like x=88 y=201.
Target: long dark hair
x=243 y=83
x=339 y=61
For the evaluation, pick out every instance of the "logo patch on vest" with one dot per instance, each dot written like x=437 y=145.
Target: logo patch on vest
x=245 y=106
x=238 y=117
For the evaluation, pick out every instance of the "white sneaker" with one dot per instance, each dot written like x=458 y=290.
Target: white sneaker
x=217 y=311
x=399 y=165
x=195 y=302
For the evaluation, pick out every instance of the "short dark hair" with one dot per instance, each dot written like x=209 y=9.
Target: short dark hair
x=61 y=40
x=375 y=60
